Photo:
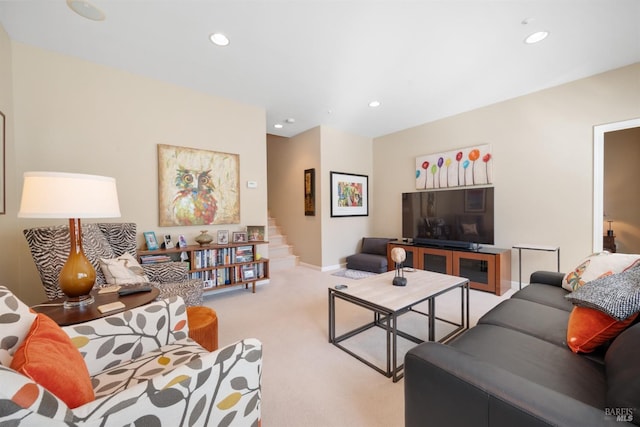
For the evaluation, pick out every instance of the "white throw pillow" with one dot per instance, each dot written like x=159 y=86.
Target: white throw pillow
x=598 y=265
x=122 y=270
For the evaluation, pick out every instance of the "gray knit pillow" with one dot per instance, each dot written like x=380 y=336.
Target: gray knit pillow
x=617 y=295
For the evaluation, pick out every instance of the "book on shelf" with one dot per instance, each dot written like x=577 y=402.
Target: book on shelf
x=244 y=254
x=154 y=259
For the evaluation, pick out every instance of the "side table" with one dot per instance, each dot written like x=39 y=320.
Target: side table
x=70 y=316
x=531 y=247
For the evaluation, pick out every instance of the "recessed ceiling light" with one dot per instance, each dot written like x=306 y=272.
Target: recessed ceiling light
x=86 y=10
x=278 y=126
x=374 y=104
x=536 y=37
x=219 y=39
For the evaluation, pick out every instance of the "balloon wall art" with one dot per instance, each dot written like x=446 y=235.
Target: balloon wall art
x=458 y=168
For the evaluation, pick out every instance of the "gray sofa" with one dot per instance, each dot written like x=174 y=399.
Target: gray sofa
x=514 y=369
x=372 y=256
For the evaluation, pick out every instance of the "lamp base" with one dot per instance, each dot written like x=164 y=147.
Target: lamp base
x=81 y=301
x=399 y=281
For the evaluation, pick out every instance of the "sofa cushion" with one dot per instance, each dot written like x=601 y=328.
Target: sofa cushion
x=598 y=265
x=122 y=270
x=16 y=319
x=375 y=245
x=367 y=262
x=588 y=329
x=623 y=371
x=552 y=296
x=49 y=358
x=536 y=360
x=618 y=295
x=530 y=318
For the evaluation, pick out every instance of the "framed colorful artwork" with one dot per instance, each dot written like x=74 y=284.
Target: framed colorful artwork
x=197 y=187
x=310 y=192
x=349 y=194
x=457 y=168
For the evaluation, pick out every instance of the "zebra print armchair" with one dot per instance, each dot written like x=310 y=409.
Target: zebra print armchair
x=50 y=247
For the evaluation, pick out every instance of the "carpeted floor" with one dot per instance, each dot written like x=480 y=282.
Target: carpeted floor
x=307 y=381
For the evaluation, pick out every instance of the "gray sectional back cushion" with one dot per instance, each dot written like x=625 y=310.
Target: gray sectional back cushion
x=375 y=245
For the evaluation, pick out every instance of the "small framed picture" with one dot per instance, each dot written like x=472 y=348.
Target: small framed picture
x=168 y=244
x=255 y=233
x=150 y=238
x=239 y=236
x=223 y=237
x=248 y=272
x=182 y=242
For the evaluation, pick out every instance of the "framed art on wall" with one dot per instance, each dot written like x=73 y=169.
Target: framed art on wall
x=197 y=187
x=309 y=192
x=3 y=198
x=349 y=194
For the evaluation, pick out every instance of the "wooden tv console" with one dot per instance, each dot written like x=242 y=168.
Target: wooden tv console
x=488 y=269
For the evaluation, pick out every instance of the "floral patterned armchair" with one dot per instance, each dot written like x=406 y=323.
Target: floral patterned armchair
x=50 y=248
x=143 y=368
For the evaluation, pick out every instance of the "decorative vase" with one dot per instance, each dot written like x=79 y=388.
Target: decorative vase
x=204 y=238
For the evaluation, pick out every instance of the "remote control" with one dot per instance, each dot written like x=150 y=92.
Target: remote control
x=134 y=290
x=341 y=287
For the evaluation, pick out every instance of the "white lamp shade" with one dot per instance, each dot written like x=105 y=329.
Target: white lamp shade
x=68 y=195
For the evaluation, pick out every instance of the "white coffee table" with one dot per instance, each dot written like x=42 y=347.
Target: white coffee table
x=387 y=302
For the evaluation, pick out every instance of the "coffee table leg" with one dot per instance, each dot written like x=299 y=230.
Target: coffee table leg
x=432 y=319
x=332 y=317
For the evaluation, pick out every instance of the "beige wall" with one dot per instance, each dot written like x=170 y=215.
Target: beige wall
x=76 y=116
x=287 y=158
x=320 y=240
x=9 y=275
x=347 y=153
x=543 y=149
x=621 y=175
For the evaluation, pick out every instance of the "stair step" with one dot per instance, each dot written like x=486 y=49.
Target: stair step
x=281 y=255
x=283 y=263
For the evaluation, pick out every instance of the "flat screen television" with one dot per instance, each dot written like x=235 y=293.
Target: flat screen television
x=449 y=216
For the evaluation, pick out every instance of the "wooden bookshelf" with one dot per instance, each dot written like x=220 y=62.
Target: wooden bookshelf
x=218 y=266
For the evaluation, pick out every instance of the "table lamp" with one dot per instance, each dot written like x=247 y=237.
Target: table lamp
x=73 y=196
x=398 y=255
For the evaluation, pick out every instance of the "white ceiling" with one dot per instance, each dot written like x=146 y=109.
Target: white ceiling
x=322 y=61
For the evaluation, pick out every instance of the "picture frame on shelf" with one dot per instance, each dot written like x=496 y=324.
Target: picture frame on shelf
x=182 y=241
x=151 y=241
x=349 y=194
x=248 y=272
x=239 y=236
x=223 y=237
x=168 y=244
x=255 y=233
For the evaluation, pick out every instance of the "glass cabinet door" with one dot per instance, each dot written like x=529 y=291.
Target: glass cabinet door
x=477 y=268
x=437 y=260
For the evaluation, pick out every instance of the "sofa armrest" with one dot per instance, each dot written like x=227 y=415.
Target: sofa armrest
x=448 y=387
x=25 y=403
x=166 y=272
x=108 y=341
x=219 y=388
x=547 y=278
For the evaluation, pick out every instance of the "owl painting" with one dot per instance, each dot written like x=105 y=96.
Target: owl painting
x=194 y=203
x=197 y=187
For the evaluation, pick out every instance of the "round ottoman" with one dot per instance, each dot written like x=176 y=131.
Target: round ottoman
x=203 y=326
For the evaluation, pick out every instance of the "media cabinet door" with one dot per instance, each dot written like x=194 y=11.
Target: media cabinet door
x=479 y=268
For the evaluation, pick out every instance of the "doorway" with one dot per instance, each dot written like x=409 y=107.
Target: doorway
x=599 y=138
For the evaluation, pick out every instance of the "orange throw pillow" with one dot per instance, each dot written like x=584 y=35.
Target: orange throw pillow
x=49 y=358
x=590 y=328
